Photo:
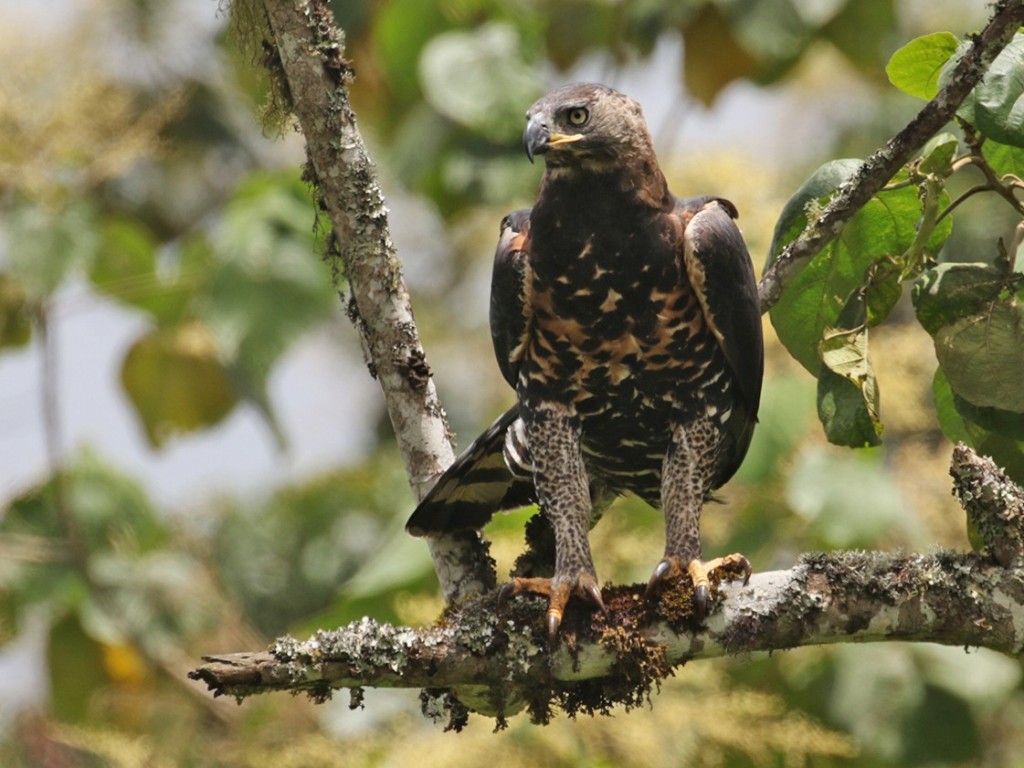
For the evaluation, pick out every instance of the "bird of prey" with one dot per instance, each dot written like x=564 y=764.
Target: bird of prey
x=627 y=322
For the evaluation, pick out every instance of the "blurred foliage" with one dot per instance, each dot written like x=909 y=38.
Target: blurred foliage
x=133 y=171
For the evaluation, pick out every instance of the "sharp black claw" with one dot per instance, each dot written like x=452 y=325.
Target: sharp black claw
x=659 y=573
x=553 y=621
x=507 y=590
x=593 y=593
x=700 y=602
x=747 y=570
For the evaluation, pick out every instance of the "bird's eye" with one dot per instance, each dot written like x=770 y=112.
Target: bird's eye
x=578 y=116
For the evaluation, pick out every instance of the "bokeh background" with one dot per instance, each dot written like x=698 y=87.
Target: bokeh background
x=194 y=459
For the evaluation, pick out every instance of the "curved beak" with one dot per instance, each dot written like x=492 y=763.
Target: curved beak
x=535 y=136
x=538 y=139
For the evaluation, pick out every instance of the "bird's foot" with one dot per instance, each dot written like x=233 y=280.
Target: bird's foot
x=702 y=575
x=558 y=591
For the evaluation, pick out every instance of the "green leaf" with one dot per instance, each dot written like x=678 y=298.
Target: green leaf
x=942 y=729
x=812 y=194
x=848 y=410
x=996 y=105
x=884 y=289
x=108 y=510
x=847 y=389
x=863 y=32
x=954 y=290
x=998 y=101
x=713 y=54
x=915 y=68
x=776 y=32
x=937 y=155
x=884 y=229
x=479 y=79
x=74 y=661
x=44 y=245
x=951 y=422
x=176 y=381
x=990 y=431
x=571 y=29
x=819 y=490
x=1004 y=159
x=107 y=506
x=263 y=284
x=997 y=420
x=125 y=268
x=982 y=355
x=400 y=30
x=125 y=264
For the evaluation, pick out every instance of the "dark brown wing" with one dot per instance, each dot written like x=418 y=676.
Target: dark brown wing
x=722 y=275
x=479 y=482
x=508 y=323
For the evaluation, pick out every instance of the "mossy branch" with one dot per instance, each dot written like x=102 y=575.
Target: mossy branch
x=497 y=663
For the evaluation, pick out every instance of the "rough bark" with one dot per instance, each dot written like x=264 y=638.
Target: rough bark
x=878 y=170
x=994 y=505
x=314 y=76
x=496 y=663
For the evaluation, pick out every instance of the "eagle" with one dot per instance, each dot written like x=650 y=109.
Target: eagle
x=627 y=322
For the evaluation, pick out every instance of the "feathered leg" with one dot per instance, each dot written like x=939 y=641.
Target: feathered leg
x=563 y=491
x=687 y=477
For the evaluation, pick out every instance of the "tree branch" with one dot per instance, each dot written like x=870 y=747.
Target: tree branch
x=310 y=56
x=497 y=663
x=878 y=169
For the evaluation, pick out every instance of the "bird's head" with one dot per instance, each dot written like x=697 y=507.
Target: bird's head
x=585 y=124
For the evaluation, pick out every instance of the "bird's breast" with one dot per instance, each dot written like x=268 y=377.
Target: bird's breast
x=601 y=334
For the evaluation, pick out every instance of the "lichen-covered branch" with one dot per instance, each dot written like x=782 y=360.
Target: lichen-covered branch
x=310 y=66
x=994 y=505
x=499 y=661
x=878 y=170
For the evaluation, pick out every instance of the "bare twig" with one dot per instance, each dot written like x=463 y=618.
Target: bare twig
x=878 y=169
x=1002 y=186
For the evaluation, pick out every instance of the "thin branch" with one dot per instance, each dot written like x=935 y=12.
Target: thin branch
x=311 y=56
x=497 y=662
x=994 y=504
x=962 y=198
x=878 y=169
x=993 y=183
